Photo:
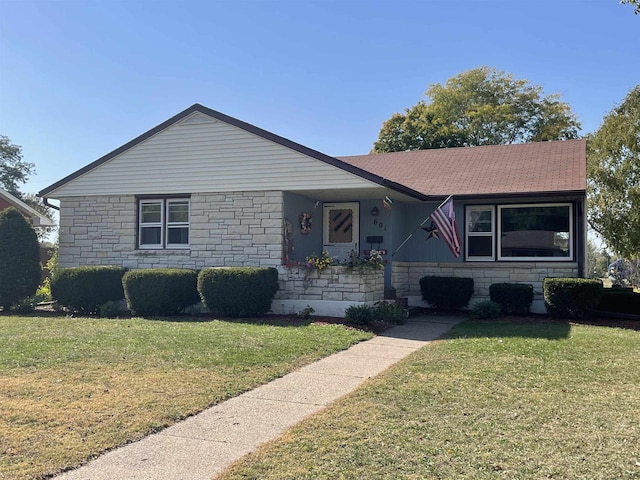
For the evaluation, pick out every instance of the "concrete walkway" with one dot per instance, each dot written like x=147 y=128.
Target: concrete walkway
x=204 y=445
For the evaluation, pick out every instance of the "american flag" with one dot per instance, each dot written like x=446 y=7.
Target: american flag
x=445 y=219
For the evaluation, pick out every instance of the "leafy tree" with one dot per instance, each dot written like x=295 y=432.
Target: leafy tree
x=613 y=172
x=597 y=261
x=482 y=106
x=20 y=267
x=635 y=3
x=13 y=169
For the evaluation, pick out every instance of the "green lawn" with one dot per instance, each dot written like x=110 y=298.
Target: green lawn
x=494 y=400
x=73 y=387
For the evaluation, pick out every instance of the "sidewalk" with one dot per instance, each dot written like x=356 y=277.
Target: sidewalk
x=204 y=445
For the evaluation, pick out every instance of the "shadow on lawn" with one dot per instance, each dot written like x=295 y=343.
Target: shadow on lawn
x=533 y=326
x=278 y=321
x=508 y=327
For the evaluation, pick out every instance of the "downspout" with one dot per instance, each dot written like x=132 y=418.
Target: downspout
x=45 y=200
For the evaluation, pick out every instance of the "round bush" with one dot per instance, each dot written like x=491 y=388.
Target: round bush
x=84 y=289
x=362 y=314
x=571 y=297
x=512 y=297
x=446 y=293
x=486 y=309
x=238 y=292
x=160 y=291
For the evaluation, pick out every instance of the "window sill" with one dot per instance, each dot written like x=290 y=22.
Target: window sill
x=149 y=252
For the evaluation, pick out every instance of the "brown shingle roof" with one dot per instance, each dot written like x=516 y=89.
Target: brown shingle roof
x=501 y=169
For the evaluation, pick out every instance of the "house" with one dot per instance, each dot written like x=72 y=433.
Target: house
x=34 y=217
x=204 y=189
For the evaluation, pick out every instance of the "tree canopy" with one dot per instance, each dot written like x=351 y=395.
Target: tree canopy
x=635 y=3
x=13 y=169
x=613 y=172
x=482 y=106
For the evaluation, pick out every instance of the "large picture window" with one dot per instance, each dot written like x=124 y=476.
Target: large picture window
x=519 y=232
x=163 y=223
x=534 y=232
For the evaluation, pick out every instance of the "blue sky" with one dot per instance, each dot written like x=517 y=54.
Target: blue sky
x=80 y=78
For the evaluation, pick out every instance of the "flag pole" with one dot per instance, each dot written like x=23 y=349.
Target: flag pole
x=445 y=201
x=425 y=221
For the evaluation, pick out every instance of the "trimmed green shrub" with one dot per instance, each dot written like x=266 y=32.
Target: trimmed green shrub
x=391 y=312
x=571 y=297
x=238 y=292
x=619 y=300
x=512 y=297
x=446 y=293
x=306 y=312
x=84 y=289
x=111 y=309
x=362 y=314
x=20 y=267
x=160 y=291
x=486 y=309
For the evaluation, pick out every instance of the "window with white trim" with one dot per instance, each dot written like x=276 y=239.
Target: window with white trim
x=163 y=223
x=519 y=232
x=480 y=231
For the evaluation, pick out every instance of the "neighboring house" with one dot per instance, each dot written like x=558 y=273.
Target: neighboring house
x=34 y=217
x=204 y=189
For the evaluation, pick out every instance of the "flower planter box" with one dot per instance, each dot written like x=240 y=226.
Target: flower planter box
x=329 y=291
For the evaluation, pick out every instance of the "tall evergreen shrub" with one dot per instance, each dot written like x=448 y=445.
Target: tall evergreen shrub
x=20 y=267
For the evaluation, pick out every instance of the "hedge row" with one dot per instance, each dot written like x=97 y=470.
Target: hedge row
x=571 y=297
x=238 y=292
x=161 y=291
x=85 y=289
x=231 y=292
x=620 y=300
x=563 y=297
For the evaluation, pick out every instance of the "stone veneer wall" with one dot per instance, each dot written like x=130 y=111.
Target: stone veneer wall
x=405 y=276
x=227 y=229
x=334 y=283
x=329 y=292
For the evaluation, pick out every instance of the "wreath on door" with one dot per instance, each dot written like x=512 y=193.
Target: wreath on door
x=305 y=223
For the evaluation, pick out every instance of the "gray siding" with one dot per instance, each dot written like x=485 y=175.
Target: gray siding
x=201 y=154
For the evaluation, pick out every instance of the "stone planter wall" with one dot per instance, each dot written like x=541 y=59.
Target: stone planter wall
x=330 y=291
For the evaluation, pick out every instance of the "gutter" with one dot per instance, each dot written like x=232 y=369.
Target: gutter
x=45 y=200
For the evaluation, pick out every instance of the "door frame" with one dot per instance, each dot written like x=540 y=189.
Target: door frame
x=355 y=208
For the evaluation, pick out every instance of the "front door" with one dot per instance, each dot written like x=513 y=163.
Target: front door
x=340 y=229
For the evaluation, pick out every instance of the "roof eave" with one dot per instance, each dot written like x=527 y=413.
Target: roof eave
x=542 y=194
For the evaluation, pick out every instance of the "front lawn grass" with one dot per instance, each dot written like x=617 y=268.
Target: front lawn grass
x=73 y=387
x=493 y=400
